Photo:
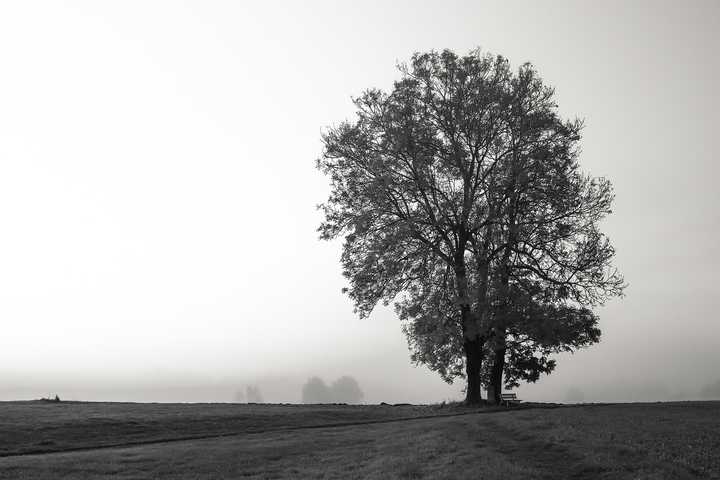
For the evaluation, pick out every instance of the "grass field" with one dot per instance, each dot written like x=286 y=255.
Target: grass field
x=210 y=441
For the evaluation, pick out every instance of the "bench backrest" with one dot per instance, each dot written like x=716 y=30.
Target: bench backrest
x=509 y=396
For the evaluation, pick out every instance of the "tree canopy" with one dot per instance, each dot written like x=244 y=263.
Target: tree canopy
x=460 y=198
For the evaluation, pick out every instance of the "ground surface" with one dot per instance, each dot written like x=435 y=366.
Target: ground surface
x=625 y=441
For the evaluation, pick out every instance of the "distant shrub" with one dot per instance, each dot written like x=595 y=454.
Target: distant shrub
x=343 y=390
x=55 y=399
x=315 y=391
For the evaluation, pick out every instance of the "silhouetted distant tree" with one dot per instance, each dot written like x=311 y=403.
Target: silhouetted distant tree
x=346 y=390
x=316 y=391
x=253 y=395
x=459 y=196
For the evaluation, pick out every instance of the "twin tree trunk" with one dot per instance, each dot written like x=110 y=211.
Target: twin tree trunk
x=473 y=364
x=472 y=342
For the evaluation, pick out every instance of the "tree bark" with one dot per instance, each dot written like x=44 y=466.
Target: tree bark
x=473 y=363
x=473 y=348
x=472 y=341
x=498 y=366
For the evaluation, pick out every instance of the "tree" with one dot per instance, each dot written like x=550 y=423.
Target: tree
x=346 y=390
x=455 y=189
x=316 y=391
x=343 y=390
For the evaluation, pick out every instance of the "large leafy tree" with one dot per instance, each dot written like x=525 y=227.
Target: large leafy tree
x=455 y=189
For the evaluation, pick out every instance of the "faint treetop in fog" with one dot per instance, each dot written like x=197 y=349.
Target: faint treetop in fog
x=253 y=394
x=346 y=390
x=316 y=391
x=343 y=390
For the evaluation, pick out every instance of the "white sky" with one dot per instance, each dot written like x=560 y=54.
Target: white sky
x=157 y=190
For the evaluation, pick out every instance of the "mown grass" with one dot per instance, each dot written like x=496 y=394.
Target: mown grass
x=633 y=436
x=37 y=426
x=632 y=441
x=407 y=450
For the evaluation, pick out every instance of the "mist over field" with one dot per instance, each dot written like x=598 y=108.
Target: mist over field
x=158 y=193
x=404 y=384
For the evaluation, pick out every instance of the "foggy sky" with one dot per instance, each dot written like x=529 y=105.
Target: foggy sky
x=158 y=191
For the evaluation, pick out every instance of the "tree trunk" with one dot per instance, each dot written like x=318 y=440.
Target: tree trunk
x=496 y=373
x=472 y=341
x=473 y=362
x=473 y=348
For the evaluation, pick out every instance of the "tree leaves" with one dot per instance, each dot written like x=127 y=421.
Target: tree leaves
x=460 y=198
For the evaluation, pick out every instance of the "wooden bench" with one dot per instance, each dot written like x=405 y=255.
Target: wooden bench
x=509 y=399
